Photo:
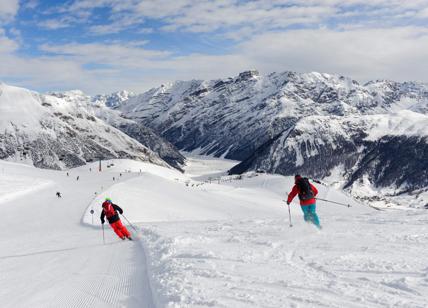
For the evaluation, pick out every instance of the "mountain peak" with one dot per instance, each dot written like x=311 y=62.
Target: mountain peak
x=60 y=131
x=246 y=75
x=114 y=99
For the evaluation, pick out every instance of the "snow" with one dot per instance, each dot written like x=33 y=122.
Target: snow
x=219 y=243
x=14 y=183
x=264 y=263
x=15 y=186
x=16 y=102
x=404 y=123
x=39 y=129
x=49 y=259
x=204 y=167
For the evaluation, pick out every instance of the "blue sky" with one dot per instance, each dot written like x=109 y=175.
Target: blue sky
x=102 y=46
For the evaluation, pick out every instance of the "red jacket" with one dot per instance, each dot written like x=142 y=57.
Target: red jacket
x=296 y=190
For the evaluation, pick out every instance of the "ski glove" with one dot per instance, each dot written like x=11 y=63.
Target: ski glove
x=288 y=203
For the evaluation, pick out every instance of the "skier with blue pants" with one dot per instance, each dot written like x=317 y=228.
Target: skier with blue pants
x=307 y=193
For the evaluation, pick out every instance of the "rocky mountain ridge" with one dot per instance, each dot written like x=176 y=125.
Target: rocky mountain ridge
x=315 y=124
x=51 y=132
x=104 y=110
x=112 y=100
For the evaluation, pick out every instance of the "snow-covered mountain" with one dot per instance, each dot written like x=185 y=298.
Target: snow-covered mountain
x=315 y=124
x=100 y=108
x=113 y=100
x=50 y=132
x=373 y=156
x=233 y=117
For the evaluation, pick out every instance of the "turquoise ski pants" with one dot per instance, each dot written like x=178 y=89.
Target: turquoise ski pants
x=310 y=215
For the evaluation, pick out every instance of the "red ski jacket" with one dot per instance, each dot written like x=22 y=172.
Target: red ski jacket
x=296 y=190
x=113 y=218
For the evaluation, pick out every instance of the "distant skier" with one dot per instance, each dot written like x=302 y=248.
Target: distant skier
x=78 y=177
x=110 y=211
x=58 y=194
x=307 y=193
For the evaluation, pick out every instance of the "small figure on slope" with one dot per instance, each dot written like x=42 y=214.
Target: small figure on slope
x=110 y=211
x=307 y=193
x=58 y=194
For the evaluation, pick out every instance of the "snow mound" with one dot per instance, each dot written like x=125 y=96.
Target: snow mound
x=355 y=261
x=15 y=185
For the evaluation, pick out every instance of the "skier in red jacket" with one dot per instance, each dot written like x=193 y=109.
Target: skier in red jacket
x=307 y=193
x=110 y=211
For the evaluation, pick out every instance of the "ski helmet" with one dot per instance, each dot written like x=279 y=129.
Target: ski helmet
x=108 y=200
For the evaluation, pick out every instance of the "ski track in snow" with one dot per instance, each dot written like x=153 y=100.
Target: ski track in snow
x=236 y=248
x=49 y=259
x=219 y=244
x=264 y=263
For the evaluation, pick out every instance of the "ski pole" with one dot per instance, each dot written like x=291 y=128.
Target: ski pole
x=104 y=240
x=289 y=213
x=92 y=213
x=343 y=204
x=130 y=223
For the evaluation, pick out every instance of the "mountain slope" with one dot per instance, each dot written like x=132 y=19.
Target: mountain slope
x=98 y=106
x=49 y=132
x=233 y=117
x=113 y=100
x=383 y=151
x=287 y=123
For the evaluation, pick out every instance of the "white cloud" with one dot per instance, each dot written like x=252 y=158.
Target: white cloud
x=201 y=16
x=112 y=55
x=263 y=18
x=64 y=21
x=6 y=44
x=30 y=4
x=364 y=54
x=8 y=10
x=54 y=24
x=145 y=30
x=395 y=53
x=242 y=19
x=365 y=42
x=423 y=13
x=210 y=16
x=117 y=23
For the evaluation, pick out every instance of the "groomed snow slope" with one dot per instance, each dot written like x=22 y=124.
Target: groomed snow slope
x=48 y=258
x=224 y=244
x=228 y=244
x=15 y=184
